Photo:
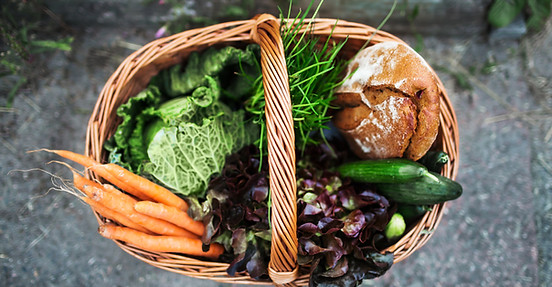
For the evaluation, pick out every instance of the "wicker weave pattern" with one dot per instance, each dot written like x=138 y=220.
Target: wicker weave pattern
x=135 y=72
x=281 y=151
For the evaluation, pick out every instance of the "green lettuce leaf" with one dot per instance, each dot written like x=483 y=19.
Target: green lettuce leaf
x=184 y=158
x=144 y=115
x=127 y=147
x=225 y=63
x=200 y=104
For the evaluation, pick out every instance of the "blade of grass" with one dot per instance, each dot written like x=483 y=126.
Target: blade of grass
x=380 y=25
x=11 y=95
x=46 y=45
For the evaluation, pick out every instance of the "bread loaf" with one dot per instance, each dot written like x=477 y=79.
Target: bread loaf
x=389 y=103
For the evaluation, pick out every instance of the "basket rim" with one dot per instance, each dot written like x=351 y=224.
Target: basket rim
x=131 y=74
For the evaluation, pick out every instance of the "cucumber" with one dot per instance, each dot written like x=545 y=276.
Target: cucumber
x=394 y=170
x=431 y=188
x=412 y=212
x=434 y=160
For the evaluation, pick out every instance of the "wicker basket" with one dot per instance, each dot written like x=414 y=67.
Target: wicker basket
x=135 y=72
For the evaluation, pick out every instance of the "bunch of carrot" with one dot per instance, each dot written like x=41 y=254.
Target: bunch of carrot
x=150 y=216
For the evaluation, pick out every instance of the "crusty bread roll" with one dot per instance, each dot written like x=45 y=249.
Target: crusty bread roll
x=389 y=103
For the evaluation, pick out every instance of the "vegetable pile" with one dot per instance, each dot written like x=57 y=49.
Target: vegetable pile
x=340 y=225
x=186 y=172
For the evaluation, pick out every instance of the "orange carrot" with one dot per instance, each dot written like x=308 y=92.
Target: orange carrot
x=171 y=214
x=80 y=181
x=78 y=158
x=123 y=203
x=149 y=188
x=103 y=171
x=100 y=169
x=126 y=180
x=113 y=215
x=189 y=246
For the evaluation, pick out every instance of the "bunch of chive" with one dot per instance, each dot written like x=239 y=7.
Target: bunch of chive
x=314 y=71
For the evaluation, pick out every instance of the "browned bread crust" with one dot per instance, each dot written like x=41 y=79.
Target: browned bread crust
x=390 y=103
x=382 y=130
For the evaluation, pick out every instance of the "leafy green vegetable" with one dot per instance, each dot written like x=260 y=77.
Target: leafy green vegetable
x=222 y=63
x=182 y=126
x=184 y=157
x=144 y=115
x=127 y=146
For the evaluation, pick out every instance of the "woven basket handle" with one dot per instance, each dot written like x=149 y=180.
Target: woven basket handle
x=281 y=150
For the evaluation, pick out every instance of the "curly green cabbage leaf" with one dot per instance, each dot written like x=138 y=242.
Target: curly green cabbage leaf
x=184 y=157
x=223 y=63
x=128 y=146
x=144 y=115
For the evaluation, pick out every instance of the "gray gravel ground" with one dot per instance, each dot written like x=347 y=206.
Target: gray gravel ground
x=496 y=234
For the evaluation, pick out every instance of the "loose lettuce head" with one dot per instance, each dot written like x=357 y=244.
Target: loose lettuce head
x=181 y=127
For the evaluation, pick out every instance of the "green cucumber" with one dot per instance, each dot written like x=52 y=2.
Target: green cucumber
x=412 y=212
x=431 y=188
x=394 y=170
x=434 y=160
